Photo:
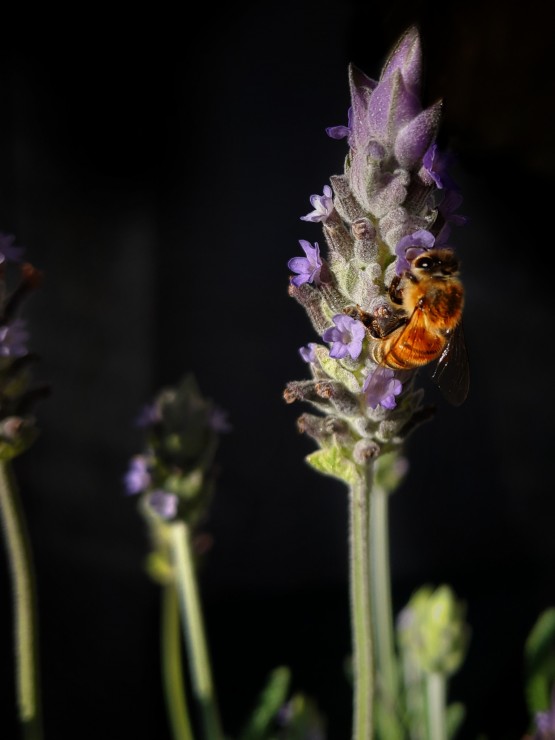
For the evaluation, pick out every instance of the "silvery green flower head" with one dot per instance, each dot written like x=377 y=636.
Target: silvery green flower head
x=18 y=395
x=432 y=631
x=393 y=202
x=174 y=474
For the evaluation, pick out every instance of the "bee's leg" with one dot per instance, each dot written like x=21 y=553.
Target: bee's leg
x=356 y=312
x=395 y=292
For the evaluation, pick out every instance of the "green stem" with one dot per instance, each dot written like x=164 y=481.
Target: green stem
x=193 y=627
x=436 y=690
x=172 y=668
x=363 y=666
x=382 y=612
x=24 y=605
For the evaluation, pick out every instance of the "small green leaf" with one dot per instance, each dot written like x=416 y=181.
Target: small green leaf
x=455 y=717
x=539 y=654
x=270 y=700
x=332 y=461
x=337 y=371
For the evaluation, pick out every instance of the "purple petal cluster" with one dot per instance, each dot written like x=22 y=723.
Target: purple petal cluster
x=410 y=247
x=137 y=479
x=8 y=251
x=347 y=336
x=308 y=353
x=323 y=206
x=163 y=503
x=381 y=387
x=545 y=722
x=307 y=268
x=13 y=339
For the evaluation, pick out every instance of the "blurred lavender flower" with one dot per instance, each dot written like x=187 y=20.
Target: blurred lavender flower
x=8 y=251
x=175 y=472
x=307 y=268
x=17 y=394
x=137 y=478
x=323 y=206
x=163 y=503
x=13 y=339
x=545 y=722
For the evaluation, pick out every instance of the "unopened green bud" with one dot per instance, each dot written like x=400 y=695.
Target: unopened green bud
x=432 y=630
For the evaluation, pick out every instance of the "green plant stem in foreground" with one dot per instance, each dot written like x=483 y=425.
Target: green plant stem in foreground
x=193 y=627
x=172 y=667
x=381 y=592
x=24 y=605
x=363 y=660
x=436 y=696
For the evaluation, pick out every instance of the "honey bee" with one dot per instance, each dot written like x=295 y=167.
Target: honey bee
x=424 y=323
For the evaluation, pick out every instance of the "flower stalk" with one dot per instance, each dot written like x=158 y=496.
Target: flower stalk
x=193 y=629
x=361 y=613
x=172 y=666
x=24 y=605
x=436 y=692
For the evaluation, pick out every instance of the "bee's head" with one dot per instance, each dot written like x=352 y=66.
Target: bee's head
x=436 y=263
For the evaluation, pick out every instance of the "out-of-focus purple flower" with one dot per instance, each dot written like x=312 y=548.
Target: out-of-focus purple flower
x=323 y=206
x=447 y=208
x=308 y=353
x=347 y=336
x=409 y=247
x=381 y=387
x=148 y=415
x=137 y=478
x=545 y=722
x=340 y=132
x=218 y=421
x=9 y=252
x=13 y=339
x=307 y=268
x=163 y=503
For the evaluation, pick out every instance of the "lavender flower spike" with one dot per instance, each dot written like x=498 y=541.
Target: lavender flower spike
x=390 y=204
x=307 y=268
x=323 y=206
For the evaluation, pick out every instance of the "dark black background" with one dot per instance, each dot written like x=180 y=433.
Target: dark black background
x=156 y=168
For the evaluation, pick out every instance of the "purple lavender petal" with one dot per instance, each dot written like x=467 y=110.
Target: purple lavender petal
x=163 y=503
x=309 y=267
x=347 y=336
x=13 y=339
x=218 y=421
x=381 y=387
x=9 y=252
x=340 y=132
x=391 y=107
x=323 y=206
x=420 y=240
x=407 y=57
x=137 y=478
x=414 y=139
x=308 y=353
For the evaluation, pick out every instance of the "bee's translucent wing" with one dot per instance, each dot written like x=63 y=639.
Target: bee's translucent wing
x=451 y=373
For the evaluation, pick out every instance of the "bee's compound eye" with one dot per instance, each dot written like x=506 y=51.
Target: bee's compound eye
x=424 y=264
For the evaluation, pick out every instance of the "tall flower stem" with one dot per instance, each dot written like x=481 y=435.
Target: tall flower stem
x=24 y=605
x=172 y=667
x=436 y=690
x=363 y=655
x=193 y=627
x=382 y=612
